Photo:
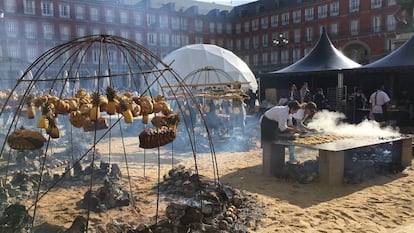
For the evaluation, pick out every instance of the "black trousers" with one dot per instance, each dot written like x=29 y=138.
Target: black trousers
x=269 y=129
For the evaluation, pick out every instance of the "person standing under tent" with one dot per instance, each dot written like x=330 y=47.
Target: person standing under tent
x=379 y=101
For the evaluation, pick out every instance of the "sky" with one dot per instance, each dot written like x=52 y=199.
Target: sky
x=228 y=2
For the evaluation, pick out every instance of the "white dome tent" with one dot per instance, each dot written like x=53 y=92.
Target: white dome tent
x=199 y=56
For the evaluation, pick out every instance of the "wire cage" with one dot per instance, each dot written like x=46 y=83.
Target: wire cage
x=59 y=115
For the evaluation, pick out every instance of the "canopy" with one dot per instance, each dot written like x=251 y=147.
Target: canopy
x=195 y=57
x=403 y=56
x=323 y=57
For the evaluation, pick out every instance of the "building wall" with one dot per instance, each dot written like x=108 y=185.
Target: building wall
x=32 y=27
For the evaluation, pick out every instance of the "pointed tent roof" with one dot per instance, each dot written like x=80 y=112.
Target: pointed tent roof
x=403 y=56
x=323 y=57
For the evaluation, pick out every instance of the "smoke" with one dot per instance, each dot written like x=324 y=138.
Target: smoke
x=332 y=123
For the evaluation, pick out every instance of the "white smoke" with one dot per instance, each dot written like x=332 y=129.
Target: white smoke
x=332 y=123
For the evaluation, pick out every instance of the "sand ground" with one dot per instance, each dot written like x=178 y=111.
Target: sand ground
x=382 y=204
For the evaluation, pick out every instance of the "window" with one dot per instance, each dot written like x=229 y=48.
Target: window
x=285 y=18
x=163 y=21
x=151 y=39
x=230 y=44
x=297 y=16
x=255 y=59
x=309 y=14
x=334 y=9
x=212 y=41
x=125 y=34
x=297 y=35
x=95 y=56
x=31 y=53
x=238 y=44
x=246 y=26
x=80 y=32
x=79 y=12
x=392 y=2
x=64 y=11
x=175 y=41
x=296 y=55
x=150 y=20
x=265 y=40
x=94 y=14
x=30 y=30
x=309 y=34
x=47 y=8
x=391 y=23
x=13 y=51
x=322 y=11
x=29 y=7
x=175 y=23
x=219 y=28
x=212 y=27
x=96 y=31
x=274 y=20
x=138 y=20
x=376 y=4
x=123 y=17
x=220 y=42
x=64 y=32
x=246 y=43
x=264 y=22
x=138 y=37
x=110 y=31
x=238 y=28
x=255 y=24
x=184 y=40
x=164 y=39
x=198 y=25
x=353 y=5
x=183 y=24
x=284 y=56
x=354 y=26
x=376 y=23
x=48 y=31
x=255 y=42
x=12 y=28
x=265 y=58
x=10 y=5
x=334 y=29
x=109 y=15
x=274 y=57
x=199 y=40
x=229 y=29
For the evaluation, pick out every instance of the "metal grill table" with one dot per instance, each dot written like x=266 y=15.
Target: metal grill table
x=331 y=155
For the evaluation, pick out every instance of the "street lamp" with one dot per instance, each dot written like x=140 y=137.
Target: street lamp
x=280 y=40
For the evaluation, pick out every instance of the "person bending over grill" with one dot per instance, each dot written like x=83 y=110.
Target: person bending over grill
x=301 y=120
x=275 y=120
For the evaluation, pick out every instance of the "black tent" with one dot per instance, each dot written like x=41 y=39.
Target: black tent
x=323 y=57
x=322 y=67
x=401 y=59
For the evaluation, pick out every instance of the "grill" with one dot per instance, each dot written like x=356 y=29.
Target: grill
x=332 y=152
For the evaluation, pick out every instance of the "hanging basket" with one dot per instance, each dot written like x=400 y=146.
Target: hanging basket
x=23 y=139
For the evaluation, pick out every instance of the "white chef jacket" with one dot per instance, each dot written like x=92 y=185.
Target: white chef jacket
x=279 y=114
x=377 y=99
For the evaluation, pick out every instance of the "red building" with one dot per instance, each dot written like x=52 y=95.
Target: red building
x=363 y=29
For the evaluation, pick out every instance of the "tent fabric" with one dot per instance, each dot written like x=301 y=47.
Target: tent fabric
x=403 y=56
x=195 y=57
x=323 y=57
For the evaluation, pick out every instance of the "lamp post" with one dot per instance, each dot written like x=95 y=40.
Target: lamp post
x=280 y=40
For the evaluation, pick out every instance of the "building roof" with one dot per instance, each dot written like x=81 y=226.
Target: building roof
x=403 y=56
x=323 y=57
